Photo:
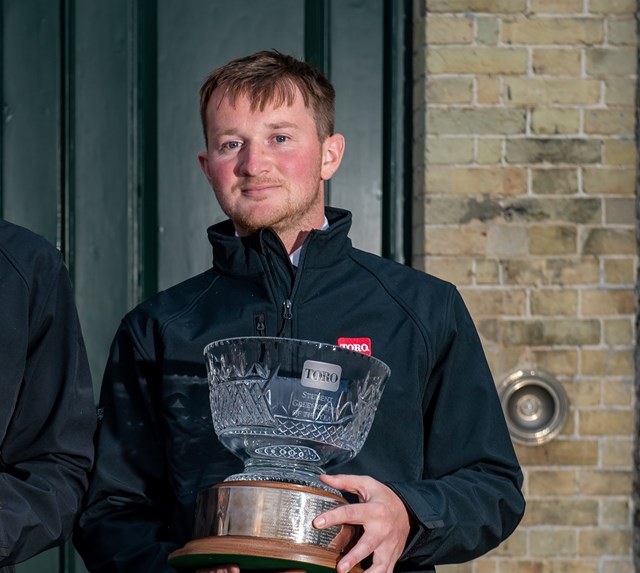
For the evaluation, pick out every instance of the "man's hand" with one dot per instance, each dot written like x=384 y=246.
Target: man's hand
x=381 y=513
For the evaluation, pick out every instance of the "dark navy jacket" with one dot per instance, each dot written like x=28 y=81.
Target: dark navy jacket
x=438 y=438
x=47 y=412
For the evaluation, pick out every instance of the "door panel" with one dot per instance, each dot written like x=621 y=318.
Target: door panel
x=101 y=130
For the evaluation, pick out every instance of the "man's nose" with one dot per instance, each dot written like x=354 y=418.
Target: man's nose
x=254 y=160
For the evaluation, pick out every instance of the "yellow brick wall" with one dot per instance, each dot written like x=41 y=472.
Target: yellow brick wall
x=524 y=197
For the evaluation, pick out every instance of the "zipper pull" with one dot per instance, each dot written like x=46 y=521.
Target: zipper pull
x=261 y=327
x=286 y=312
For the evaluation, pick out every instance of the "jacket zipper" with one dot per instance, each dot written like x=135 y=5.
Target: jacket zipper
x=286 y=314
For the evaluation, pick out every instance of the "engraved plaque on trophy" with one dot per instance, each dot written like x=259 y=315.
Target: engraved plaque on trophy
x=289 y=409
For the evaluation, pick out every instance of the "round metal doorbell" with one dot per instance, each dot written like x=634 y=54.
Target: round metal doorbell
x=535 y=406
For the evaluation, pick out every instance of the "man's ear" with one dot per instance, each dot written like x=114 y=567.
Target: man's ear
x=203 y=159
x=332 y=152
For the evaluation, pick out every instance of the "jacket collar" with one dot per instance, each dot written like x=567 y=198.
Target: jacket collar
x=241 y=255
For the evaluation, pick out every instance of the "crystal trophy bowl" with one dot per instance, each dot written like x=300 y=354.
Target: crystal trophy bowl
x=290 y=409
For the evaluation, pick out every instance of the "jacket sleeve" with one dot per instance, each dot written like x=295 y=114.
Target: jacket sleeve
x=470 y=497
x=47 y=449
x=125 y=525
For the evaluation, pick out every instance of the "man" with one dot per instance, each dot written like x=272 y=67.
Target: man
x=47 y=412
x=437 y=478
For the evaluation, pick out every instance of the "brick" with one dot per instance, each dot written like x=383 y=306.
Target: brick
x=611 y=61
x=570 y=566
x=487 y=31
x=622 y=32
x=448 y=30
x=477 y=60
x=618 y=566
x=488 y=90
x=456 y=270
x=608 y=302
x=487 y=272
x=459 y=210
x=561 y=302
x=617 y=452
x=607 y=362
x=491 y=181
x=610 y=242
x=557 y=61
x=535 y=30
x=611 y=6
x=606 y=423
x=583 y=393
x=448 y=241
x=607 y=181
x=618 y=331
x=569 y=271
x=486 y=566
x=554 y=181
x=493 y=6
x=580 y=211
x=457 y=568
x=563 y=362
x=440 y=150
x=563 y=512
x=620 y=91
x=489 y=151
x=619 y=152
x=552 y=240
x=488 y=329
x=553 y=542
x=449 y=90
x=551 y=91
x=504 y=240
x=620 y=211
x=556 y=6
x=554 y=121
x=495 y=302
x=527 y=566
x=552 y=151
x=609 y=482
x=609 y=121
x=559 y=452
x=617 y=393
x=582 y=270
x=552 y=482
x=550 y=332
x=604 y=542
x=616 y=513
x=480 y=121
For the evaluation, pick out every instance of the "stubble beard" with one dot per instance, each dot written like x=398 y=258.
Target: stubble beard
x=287 y=218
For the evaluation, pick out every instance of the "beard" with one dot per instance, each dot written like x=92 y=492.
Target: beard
x=285 y=209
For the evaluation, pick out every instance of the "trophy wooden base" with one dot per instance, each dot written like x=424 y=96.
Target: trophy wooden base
x=250 y=553
x=260 y=525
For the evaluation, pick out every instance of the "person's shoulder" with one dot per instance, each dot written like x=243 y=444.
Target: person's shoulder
x=168 y=304
x=27 y=252
x=401 y=276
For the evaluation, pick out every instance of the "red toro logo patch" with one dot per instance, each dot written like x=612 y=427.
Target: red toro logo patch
x=358 y=344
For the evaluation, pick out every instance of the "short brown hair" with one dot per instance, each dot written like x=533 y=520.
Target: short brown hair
x=269 y=77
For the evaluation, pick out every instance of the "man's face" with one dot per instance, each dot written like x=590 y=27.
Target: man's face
x=267 y=167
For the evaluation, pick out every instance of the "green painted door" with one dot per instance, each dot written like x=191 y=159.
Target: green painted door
x=101 y=129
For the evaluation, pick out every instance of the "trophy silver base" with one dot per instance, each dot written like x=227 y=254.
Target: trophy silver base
x=265 y=525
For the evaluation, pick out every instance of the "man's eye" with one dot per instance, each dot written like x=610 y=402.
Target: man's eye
x=281 y=138
x=231 y=145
